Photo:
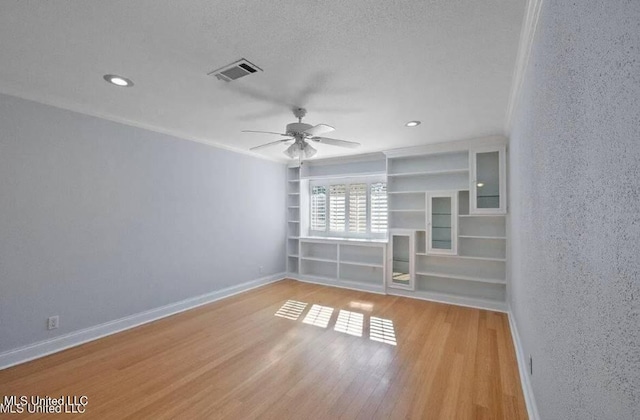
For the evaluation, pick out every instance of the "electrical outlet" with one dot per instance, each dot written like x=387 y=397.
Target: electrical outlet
x=530 y=365
x=53 y=322
x=260 y=269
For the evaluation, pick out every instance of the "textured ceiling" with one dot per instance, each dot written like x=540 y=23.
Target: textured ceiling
x=365 y=67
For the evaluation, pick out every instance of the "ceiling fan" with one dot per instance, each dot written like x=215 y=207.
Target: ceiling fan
x=302 y=135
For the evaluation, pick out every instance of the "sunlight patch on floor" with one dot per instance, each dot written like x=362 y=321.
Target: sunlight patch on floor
x=319 y=316
x=382 y=330
x=350 y=323
x=292 y=309
x=365 y=306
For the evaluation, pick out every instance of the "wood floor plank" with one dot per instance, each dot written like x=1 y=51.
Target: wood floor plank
x=235 y=359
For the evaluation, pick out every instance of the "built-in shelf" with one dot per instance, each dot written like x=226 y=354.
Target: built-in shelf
x=419 y=173
x=466 y=257
x=405 y=192
x=363 y=264
x=422 y=192
x=482 y=237
x=319 y=259
x=350 y=263
x=461 y=277
x=351 y=174
x=453 y=181
x=481 y=215
x=329 y=239
x=319 y=278
x=407 y=210
x=293 y=220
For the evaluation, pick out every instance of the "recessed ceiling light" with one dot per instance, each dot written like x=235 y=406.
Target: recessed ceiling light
x=480 y=184
x=118 y=80
x=412 y=123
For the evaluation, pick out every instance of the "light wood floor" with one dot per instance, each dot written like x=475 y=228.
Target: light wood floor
x=235 y=359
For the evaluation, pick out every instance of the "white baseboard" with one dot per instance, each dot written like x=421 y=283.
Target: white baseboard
x=54 y=345
x=523 y=369
x=450 y=299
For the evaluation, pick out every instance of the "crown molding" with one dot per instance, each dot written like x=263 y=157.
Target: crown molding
x=446 y=147
x=363 y=157
x=79 y=109
x=527 y=35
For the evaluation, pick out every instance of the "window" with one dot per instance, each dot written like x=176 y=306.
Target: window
x=348 y=207
x=319 y=208
x=379 y=207
x=337 y=206
x=358 y=208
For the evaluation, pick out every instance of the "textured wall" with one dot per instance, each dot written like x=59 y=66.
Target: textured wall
x=100 y=220
x=575 y=210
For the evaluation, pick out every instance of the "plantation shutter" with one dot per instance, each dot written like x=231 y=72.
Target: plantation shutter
x=337 y=202
x=379 y=207
x=358 y=208
x=319 y=208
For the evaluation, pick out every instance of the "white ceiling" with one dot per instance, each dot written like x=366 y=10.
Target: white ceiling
x=369 y=66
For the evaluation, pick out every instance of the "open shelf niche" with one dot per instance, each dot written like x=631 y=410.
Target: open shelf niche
x=293 y=219
x=343 y=262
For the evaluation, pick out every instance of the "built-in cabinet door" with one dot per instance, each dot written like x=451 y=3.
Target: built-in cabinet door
x=400 y=259
x=442 y=218
x=487 y=183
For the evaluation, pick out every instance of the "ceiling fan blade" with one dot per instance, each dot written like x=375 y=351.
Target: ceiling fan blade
x=319 y=129
x=336 y=142
x=268 y=144
x=265 y=132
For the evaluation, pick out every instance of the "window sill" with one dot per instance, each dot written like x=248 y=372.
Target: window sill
x=338 y=239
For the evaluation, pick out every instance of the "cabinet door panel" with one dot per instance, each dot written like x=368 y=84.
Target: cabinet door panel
x=488 y=187
x=400 y=263
x=442 y=223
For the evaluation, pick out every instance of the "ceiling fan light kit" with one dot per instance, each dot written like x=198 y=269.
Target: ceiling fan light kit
x=300 y=150
x=302 y=134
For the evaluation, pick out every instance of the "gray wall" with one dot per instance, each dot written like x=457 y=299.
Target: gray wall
x=100 y=220
x=575 y=211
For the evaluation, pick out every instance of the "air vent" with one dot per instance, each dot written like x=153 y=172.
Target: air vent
x=233 y=71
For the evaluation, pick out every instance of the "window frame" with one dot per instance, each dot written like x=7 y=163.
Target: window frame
x=346 y=181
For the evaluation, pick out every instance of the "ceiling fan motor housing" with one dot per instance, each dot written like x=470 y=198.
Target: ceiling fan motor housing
x=297 y=127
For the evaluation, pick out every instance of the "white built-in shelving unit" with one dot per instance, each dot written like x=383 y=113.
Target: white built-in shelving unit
x=460 y=244
x=353 y=263
x=348 y=263
x=447 y=230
